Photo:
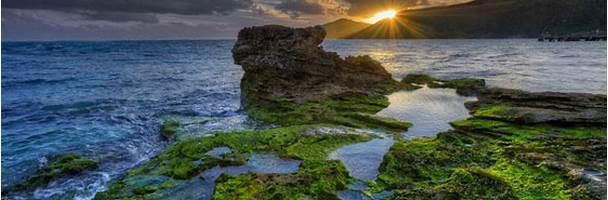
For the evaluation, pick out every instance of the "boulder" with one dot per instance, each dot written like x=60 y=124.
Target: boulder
x=288 y=64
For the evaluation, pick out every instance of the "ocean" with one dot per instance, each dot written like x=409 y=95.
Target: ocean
x=105 y=100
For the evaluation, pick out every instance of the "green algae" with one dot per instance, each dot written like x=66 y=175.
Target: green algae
x=181 y=162
x=462 y=183
x=169 y=128
x=362 y=120
x=65 y=165
x=523 y=133
x=530 y=182
x=177 y=161
x=356 y=112
x=317 y=148
x=465 y=86
x=427 y=161
x=314 y=180
x=500 y=111
x=509 y=161
x=418 y=79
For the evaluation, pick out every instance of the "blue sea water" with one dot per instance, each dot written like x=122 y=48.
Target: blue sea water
x=105 y=100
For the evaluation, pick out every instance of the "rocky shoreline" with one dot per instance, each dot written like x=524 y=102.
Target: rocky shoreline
x=516 y=145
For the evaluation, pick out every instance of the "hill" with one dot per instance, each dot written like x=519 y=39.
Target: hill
x=492 y=19
x=343 y=28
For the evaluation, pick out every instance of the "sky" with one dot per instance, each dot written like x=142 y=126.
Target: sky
x=177 y=19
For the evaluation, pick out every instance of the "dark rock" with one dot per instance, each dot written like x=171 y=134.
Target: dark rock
x=543 y=107
x=463 y=86
x=287 y=64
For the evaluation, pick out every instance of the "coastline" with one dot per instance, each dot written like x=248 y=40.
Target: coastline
x=479 y=157
x=228 y=184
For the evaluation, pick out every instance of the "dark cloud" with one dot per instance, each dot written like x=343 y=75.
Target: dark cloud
x=295 y=8
x=183 y=7
x=365 y=7
x=20 y=26
x=121 y=17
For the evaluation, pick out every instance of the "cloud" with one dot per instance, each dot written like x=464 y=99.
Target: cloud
x=295 y=8
x=183 y=7
x=121 y=17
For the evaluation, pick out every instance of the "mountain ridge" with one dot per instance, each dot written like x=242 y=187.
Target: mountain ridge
x=489 y=19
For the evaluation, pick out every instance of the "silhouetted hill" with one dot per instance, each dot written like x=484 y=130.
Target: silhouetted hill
x=343 y=28
x=493 y=19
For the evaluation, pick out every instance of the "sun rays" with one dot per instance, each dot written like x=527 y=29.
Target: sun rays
x=387 y=14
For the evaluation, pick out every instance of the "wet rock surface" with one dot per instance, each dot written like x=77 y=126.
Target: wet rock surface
x=542 y=107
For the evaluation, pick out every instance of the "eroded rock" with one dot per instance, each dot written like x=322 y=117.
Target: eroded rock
x=287 y=64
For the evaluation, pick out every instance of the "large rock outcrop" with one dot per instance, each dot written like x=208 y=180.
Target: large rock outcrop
x=287 y=64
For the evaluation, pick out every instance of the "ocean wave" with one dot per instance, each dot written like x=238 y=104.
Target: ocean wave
x=37 y=81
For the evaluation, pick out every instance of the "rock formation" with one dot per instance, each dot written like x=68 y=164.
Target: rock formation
x=541 y=107
x=287 y=64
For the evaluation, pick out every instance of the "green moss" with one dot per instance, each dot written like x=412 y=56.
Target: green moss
x=530 y=182
x=317 y=148
x=477 y=124
x=485 y=158
x=362 y=120
x=65 y=165
x=169 y=128
x=177 y=162
x=500 y=111
x=181 y=161
x=314 y=180
x=583 y=133
x=523 y=133
x=465 y=86
x=418 y=79
x=463 y=183
x=429 y=161
x=431 y=168
x=348 y=111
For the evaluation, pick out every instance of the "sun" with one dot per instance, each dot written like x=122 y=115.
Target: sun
x=387 y=14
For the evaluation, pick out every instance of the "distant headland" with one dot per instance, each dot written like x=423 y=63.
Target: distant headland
x=483 y=19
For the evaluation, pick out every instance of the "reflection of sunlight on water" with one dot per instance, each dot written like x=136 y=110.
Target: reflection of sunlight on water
x=386 y=57
x=430 y=110
x=511 y=63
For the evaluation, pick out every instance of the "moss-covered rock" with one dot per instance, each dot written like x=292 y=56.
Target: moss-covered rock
x=189 y=158
x=169 y=128
x=540 y=107
x=508 y=160
x=353 y=111
x=464 y=86
x=314 y=180
x=61 y=166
